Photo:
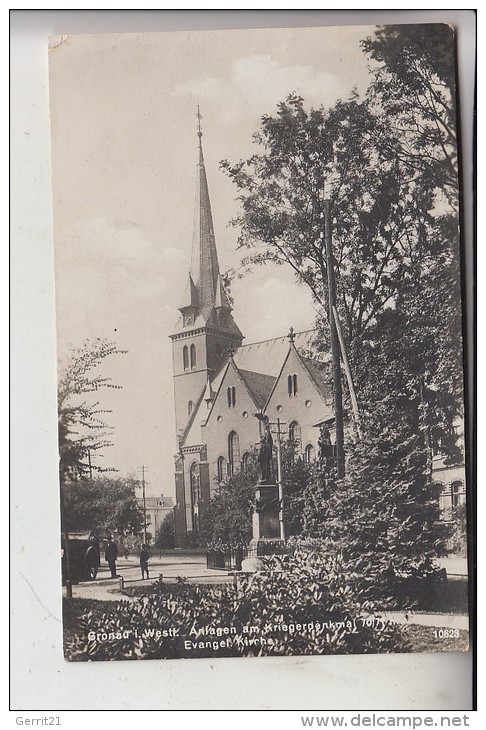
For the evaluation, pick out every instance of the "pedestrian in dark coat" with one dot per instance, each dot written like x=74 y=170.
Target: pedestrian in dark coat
x=111 y=554
x=144 y=558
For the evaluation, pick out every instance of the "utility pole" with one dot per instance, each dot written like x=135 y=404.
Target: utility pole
x=347 y=370
x=336 y=363
x=143 y=469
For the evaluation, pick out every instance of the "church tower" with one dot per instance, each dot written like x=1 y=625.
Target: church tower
x=206 y=329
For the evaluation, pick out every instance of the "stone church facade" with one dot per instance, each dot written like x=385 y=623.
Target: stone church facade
x=220 y=382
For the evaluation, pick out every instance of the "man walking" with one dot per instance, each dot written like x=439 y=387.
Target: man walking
x=111 y=554
x=144 y=558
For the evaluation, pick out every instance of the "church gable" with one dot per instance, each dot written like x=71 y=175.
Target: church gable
x=231 y=431
x=299 y=400
x=233 y=395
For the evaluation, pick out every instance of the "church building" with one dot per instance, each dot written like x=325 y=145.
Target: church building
x=220 y=382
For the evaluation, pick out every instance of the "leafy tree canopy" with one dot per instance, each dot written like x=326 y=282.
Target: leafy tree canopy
x=165 y=535
x=81 y=425
x=104 y=504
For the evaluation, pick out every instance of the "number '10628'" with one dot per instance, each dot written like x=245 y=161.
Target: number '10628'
x=446 y=633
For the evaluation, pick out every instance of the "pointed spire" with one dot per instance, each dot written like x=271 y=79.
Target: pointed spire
x=190 y=296
x=208 y=256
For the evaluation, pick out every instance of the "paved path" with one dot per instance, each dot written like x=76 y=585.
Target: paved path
x=192 y=567
x=456 y=567
x=440 y=620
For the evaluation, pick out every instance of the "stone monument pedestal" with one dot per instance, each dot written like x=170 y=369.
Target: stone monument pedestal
x=266 y=527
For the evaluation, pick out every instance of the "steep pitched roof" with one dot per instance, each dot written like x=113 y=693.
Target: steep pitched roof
x=259 y=385
x=193 y=423
x=266 y=357
x=317 y=374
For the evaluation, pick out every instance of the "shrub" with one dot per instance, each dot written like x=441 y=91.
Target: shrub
x=301 y=603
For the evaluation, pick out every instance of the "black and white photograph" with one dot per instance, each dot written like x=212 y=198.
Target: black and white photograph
x=261 y=402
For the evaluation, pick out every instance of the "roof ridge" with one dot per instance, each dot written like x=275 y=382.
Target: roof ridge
x=272 y=339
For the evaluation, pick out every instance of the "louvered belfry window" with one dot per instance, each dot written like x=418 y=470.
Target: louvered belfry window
x=231 y=396
x=292 y=385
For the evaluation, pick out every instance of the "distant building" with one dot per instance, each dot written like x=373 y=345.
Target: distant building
x=156 y=510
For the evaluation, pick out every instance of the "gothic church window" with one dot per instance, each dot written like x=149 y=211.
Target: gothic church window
x=244 y=461
x=220 y=466
x=294 y=433
x=233 y=452
x=195 y=493
x=193 y=357
x=185 y=357
x=310 y=453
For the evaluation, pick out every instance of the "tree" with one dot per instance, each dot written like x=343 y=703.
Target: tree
x=414 y=85
x=387 y=163
x=82 y=430
x=104 y=504
x=165 y=536
x=228 y=518
x=382 y=518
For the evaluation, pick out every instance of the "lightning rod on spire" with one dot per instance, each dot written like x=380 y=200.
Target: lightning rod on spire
x=199 y=117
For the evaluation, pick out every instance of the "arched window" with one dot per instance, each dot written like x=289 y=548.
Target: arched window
x=292 y=385
x=233 y=452
x=195 y=494
x=294 y=433
x=310 y=453
x=185 y=357
x=244 y=461
x=190 y=406
x=231 y=396
x=220 y=465
x=193 y=357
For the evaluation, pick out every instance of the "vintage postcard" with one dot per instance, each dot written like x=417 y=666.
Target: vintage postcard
x=259 y=320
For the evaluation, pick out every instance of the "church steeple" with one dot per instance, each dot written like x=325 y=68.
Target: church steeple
x=206 y=329
x=206 y=302
x=208 y=275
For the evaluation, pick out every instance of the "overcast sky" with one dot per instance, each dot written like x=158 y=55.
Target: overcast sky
x=124 y=152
